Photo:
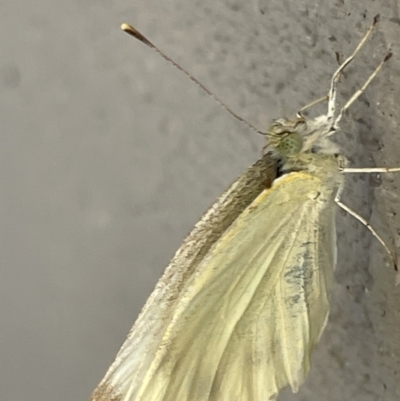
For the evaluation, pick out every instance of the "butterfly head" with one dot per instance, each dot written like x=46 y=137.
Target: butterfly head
x=286 y=136
x=292 y=137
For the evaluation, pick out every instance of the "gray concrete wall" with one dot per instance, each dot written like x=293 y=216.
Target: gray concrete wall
x=109 y=156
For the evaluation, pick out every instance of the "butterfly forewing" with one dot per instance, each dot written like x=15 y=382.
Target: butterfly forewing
x=145 y=335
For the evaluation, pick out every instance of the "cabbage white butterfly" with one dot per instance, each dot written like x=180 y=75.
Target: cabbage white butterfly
x=239 y=309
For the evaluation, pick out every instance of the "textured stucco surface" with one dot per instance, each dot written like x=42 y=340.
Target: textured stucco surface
x=109 y=156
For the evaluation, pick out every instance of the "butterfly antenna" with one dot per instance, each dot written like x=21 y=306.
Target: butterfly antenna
x=136 y=34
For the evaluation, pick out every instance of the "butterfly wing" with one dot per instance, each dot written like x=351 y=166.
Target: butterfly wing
x=240 y=321
x=150 y=325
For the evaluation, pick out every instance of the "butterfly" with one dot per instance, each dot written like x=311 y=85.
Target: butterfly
x=242 y=304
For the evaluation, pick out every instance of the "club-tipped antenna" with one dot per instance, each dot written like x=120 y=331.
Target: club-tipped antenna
x=136 y=34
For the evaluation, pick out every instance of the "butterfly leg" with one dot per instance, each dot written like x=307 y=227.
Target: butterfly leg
x=357 y=94
x=335 y=78
x=347 y=170
x=311 y=104
x=367 y=225
x=331 y=96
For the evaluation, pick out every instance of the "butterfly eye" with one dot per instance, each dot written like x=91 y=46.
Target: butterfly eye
x=291 y=144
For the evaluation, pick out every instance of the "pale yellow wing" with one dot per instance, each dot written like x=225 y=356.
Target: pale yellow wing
x=149 y=327
x=243 y=323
